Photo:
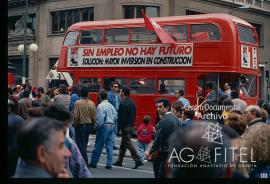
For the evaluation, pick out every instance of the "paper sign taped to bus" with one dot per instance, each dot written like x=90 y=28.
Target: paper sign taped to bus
x=249 y=57
x=131 y=56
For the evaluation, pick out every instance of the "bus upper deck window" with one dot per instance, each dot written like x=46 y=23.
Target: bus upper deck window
x=140 y=34
x=178 y=33
x=117 y=36
x=71 y=38
x=246 y=34
x=91 y=37
x=204 y=32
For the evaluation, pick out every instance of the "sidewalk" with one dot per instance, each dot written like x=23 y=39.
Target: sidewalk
x=91 y=144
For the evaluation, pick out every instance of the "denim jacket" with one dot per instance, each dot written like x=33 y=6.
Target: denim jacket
x=106 y=114
x=114 y=99
x=73 y=98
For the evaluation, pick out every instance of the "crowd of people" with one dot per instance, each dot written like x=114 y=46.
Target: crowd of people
x=48 y=133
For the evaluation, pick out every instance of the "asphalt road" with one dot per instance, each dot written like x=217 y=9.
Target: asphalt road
x=126 y=171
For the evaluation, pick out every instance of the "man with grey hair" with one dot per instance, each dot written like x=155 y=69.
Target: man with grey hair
x=41 y=147
x=252 y=116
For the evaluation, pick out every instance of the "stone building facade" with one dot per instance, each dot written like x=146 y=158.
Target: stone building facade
x=49 y=19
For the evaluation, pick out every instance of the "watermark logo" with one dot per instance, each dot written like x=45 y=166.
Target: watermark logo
x=204 y=155
x=212 y=155
x=213 y=133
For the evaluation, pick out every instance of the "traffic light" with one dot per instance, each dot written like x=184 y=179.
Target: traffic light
x=267 y=74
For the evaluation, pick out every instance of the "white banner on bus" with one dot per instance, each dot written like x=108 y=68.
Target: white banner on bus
x=131 y=56
x=249 y=57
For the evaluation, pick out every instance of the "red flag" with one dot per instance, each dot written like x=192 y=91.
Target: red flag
x=151 y=25
x=11 y=79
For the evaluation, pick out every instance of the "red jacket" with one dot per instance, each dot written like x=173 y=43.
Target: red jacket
x=145 y=133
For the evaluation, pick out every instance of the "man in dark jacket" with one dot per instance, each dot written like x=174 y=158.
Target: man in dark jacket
x=165 y=127
x=126 y=119
x=14 y=122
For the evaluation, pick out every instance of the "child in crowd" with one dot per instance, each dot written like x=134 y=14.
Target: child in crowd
x=145 y=135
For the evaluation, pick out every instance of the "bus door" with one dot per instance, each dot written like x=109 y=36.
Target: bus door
x=203 y=80
x=245 y=84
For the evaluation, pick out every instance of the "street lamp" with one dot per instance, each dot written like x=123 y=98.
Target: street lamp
x=22 y=47
x=32 y=48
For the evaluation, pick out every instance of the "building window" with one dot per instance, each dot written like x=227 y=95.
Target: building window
x=134 y=11
x=61 y=20
x=18 y=64
x=52 y=62
x=16 y=25
x=258 y=28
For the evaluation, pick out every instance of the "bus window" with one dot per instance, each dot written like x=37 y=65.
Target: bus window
x=178 y=33
x=142 y=86
x=91 y=37
x=71 y=38
x=93 y=84
x=108 y=81
x=117 y=35
x=246 y=34
x=204 y=32
x=249 y=88
x=169 y=86
x=140 y=34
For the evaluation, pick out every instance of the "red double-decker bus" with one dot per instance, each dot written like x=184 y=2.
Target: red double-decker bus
x=216 y=48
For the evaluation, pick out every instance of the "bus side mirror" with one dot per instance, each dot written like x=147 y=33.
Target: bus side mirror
x=243 y=79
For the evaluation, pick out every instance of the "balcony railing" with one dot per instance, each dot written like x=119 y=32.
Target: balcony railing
x=22 y=2
x=256 y=4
